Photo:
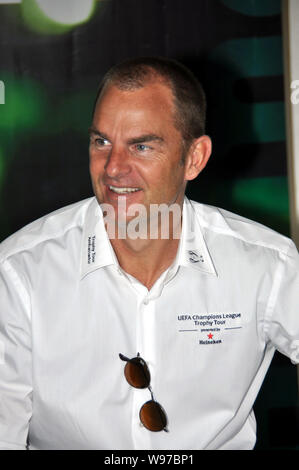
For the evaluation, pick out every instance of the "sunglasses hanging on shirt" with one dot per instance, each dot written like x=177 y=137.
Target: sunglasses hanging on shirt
x=137 y=374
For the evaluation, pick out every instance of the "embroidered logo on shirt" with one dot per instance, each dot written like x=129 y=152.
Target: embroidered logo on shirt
x=91 y=249
x=194 y=257
x=212 y=327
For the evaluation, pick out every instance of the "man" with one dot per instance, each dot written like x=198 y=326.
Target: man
x=155 y=334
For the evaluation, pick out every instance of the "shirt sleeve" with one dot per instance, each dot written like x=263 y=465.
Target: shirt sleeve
x=282 y=319
x=15 y=360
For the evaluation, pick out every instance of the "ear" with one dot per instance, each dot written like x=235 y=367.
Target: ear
x=197 y=157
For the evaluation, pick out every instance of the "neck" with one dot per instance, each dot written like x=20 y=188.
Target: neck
x=147 y=258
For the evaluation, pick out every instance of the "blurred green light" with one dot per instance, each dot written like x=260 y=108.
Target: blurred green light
x=255 y=7
x=61 y=12
x=56 y=16
x=245 y=57
x=267 y=194
x=24 y=104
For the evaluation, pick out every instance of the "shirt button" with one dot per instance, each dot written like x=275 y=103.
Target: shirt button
x=146 y=301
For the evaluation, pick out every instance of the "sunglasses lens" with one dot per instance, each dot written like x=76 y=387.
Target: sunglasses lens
x=153 y=416
x=137 y=373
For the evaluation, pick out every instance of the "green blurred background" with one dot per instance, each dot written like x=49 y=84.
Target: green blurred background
x=51 y=61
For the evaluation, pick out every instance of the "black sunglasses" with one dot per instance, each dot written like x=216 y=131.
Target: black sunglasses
x=137 y=374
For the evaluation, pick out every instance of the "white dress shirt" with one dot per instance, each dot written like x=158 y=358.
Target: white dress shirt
x=207 y=329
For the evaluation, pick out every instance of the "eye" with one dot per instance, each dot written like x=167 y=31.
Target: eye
x=142 y=147
x=101 y=142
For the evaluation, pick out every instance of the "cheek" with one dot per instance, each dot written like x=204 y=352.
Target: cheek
x=173 y=177
x=96 y=164
x=163 y=178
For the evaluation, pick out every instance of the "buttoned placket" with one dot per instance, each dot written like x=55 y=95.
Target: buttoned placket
x=146 y=347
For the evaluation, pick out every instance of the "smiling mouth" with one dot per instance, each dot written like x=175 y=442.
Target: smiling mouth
x=123 y=190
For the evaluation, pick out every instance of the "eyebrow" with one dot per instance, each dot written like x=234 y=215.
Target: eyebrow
x=93 y=130
x=134 y=140
x=145 y=138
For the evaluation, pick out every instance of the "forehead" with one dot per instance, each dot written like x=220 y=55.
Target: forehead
x=154 y=101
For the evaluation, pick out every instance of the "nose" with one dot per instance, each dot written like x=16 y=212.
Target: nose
x=117 y=164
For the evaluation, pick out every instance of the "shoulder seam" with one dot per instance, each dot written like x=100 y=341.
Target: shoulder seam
x=229 y=232
x=11 y=251
x=34 y=243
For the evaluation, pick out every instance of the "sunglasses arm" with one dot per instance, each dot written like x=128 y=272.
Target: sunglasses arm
x=124 y=358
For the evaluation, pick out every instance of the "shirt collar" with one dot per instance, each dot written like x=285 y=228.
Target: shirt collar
x=97 y=252
x=96 y=249
x=193 y=251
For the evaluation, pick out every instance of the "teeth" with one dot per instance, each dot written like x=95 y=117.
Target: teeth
x=123 y=190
